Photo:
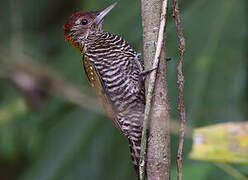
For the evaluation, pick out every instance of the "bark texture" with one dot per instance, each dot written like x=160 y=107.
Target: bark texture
x=158 y=147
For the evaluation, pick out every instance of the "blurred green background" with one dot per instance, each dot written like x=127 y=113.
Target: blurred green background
x=51 y=125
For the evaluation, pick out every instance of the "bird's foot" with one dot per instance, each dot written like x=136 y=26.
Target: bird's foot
x=147 y=71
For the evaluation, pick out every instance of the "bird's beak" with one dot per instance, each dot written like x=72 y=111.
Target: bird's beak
x=101 y=14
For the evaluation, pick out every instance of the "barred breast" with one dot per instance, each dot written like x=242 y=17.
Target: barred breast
x=117 y=67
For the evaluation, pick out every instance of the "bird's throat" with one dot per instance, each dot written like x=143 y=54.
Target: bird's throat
x=73 y=43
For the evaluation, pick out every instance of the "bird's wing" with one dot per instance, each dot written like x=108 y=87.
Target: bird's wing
x=96 y=82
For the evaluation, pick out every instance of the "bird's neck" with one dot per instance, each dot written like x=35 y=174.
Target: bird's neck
x=75 y=43
x=82 y=43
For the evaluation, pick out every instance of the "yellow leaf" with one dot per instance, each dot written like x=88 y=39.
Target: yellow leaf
x=227 y=142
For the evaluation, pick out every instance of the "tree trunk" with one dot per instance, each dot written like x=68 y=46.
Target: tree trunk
x=158 y=147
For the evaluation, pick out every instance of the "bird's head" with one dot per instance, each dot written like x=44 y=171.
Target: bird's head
x=81 y=24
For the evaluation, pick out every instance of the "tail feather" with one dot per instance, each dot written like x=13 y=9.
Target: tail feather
x=135 y=146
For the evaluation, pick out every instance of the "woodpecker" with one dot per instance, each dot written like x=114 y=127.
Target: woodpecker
x=114 y=69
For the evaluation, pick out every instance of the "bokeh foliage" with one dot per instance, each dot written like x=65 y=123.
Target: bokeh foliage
x=65 y=141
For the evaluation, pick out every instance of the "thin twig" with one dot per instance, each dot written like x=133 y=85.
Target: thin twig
x=176 y=15
x=151 y=88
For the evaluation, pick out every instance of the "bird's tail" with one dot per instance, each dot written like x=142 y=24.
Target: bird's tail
x=135 y=146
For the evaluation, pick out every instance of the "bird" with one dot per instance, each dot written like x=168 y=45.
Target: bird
x=114 y=70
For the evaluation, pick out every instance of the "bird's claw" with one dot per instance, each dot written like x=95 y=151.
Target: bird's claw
x=147 y=71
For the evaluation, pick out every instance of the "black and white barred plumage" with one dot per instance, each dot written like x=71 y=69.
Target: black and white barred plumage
x=120 y=68
x=114 y=70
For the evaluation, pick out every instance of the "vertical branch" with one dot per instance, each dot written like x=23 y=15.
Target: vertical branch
x=180 y=81
x=157 y=107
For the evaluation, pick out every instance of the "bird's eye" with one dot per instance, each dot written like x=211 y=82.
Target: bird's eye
x=84 y=21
